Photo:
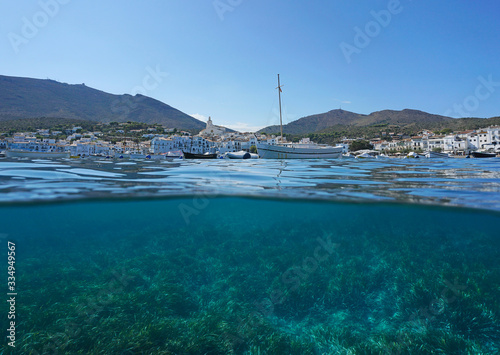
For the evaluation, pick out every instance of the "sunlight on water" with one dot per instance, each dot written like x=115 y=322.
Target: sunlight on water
x=441 y=182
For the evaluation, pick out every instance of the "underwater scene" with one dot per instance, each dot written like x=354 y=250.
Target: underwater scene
x=271 y=258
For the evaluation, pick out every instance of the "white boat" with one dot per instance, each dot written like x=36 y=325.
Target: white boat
x=176 y=154
x=414 y=155
x=20 y=153
x=436 y=155
x=366 y=154
x=2 y=154
x=238 y=155
x=348 y=156
x=304 y=150
x=298 y=151
x=146 y=156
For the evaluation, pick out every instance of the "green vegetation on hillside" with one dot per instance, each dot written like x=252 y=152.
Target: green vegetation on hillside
x=360 y=144
x=332 y=126
x=32 y=124
x=335 y=134
x=60 y=128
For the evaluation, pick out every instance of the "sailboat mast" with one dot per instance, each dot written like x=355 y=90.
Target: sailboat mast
x=281 y=121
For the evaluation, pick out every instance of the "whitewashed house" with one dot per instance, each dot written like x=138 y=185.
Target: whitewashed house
x=91 y=148
x=247 y=144
x=228 y=146
x=489 y=138
x=195 y=145
x=436 y=143
x=455 y=144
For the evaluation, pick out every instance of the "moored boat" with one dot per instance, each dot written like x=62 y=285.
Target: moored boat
x=301 y=150
x=413 y=155
x=20 y=153
x=298 y=151
x=199 y=156
x=176 y=154
x=366 y=154
x=434 y=155
x=483 y=155
x=238 y=155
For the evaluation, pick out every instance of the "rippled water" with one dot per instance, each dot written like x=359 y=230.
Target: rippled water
x=460 y=182
x=253 y=257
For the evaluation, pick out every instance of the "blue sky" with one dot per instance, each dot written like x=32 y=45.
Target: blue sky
x=220 y=58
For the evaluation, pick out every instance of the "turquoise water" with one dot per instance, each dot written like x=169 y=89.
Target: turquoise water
x=261 y=257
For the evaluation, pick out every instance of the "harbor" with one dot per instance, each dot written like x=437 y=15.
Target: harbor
x=218 y=144
x=236 y=177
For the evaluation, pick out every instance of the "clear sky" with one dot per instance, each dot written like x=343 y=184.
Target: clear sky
x=220 y=58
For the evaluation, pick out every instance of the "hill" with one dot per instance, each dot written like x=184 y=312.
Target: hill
x=34 y=98
x=349 y=123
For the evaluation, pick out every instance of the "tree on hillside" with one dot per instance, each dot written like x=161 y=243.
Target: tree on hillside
x=360 y=144
x=446 y=131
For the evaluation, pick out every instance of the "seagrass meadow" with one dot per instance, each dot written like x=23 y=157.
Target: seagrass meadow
x=234 y=275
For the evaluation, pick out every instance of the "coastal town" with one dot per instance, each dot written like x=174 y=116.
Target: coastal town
x=156 y=141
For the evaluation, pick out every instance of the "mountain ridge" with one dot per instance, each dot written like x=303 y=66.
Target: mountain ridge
x=405 y=120
x=29 y=98
x=33 y=98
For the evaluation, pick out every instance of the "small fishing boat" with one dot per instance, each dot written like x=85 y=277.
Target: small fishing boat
x=483 y=155
x=2 y=154
x=200 y=156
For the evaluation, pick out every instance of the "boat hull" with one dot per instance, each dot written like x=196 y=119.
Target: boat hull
x=30 y=154
x=199 y=156
x=483 y=155
x=268 y=151
x=436 y=155
x=238 y=155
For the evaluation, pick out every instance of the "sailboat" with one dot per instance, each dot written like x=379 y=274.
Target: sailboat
x=305 y=149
